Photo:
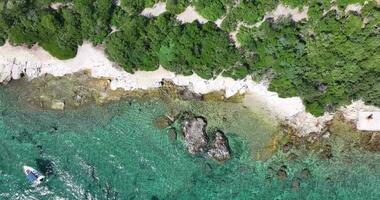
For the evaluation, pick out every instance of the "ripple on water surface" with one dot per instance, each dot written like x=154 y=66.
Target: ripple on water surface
x=115 y=152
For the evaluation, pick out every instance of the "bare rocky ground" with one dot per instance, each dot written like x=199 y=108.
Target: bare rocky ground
x=197 y=140
x=67 y=92
x=78 y=89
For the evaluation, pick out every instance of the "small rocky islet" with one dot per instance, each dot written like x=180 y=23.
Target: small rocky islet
x=197 y=140
x=194 y=136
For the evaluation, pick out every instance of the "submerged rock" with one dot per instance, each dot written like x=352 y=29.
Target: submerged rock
x=194 y=133
x=53 y=129
x=287 y=147
x=373 y=143
x=270 y=171
x=296 y=183
x=305 y=173
x=219 y=148
x=214 y=96
x=45 y=166
x=57 y=105
x=162 y=121
x=326 y=153
x=24 y=137
x=281 y=173
x=172 y=134
x=292 y=156
x=154 y=197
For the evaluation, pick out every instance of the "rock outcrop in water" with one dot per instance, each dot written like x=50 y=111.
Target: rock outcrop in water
x=196 y=139
x=195 y=136
x=219 y=148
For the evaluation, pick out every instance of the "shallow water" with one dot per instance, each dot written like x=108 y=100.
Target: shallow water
x=115 y=152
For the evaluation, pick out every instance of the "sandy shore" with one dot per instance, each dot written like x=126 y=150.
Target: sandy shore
x=16 y=62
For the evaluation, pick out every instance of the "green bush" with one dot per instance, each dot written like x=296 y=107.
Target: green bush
x=177 y=6
x=210 y=9
x=328 y=60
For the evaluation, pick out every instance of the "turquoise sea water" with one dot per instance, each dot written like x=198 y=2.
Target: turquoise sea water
x=115 y=152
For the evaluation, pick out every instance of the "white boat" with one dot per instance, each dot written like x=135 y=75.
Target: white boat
x=33 y=176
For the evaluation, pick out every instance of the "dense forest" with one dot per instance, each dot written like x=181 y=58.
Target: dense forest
x=329 y=59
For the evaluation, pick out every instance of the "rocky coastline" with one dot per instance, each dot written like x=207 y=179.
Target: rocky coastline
x=112 y=83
